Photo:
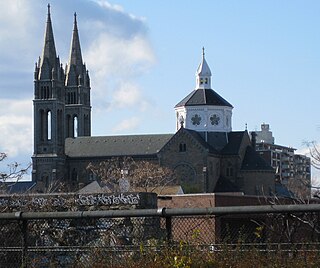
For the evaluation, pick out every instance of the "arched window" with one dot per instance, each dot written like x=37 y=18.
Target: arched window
x=49 y=125
x=75 y=126
x=182 y=147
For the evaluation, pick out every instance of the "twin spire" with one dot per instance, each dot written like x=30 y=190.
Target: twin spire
x=75 y=69
x=49 y=63
x=49 y=58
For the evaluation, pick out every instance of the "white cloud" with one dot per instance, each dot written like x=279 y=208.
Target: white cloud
x=14 y=16
x=118 y=8
x=16 y=127
x=127 y=124
x=107 y=5
x=129 y=95
x=17 y=25
x=115 y=63
x=114 y=58
x=303 y=151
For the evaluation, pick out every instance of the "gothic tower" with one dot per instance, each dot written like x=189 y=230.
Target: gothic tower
x=61 y=107
x=48 y=108
x=77 y=86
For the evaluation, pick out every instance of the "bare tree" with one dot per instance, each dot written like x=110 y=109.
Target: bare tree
x=301 y=188
x=143 y=175
x=13 y=174
x=314 y=152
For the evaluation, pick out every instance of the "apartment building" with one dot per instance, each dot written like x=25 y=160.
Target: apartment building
x=292 y=170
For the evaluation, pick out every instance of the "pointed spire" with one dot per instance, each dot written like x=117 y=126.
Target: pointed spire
x=49 y=56
x=75 y=66
x=203 y=74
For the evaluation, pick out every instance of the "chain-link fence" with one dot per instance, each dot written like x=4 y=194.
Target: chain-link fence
x=79 y=239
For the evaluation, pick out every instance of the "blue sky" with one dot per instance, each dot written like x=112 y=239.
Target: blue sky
x=142 y=57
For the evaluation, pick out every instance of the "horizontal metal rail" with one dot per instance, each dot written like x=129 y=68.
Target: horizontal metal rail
x=163 y=212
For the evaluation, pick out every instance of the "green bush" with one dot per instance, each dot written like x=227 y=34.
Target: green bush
x=184 y=255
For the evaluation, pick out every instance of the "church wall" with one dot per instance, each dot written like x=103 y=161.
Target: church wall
x=230 y=166
x=188 y=160
x=46 y=171
x=258 y=183
x=213 y=172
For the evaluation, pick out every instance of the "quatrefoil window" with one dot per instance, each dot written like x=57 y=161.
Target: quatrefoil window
x=215 y=119
x=196 y=119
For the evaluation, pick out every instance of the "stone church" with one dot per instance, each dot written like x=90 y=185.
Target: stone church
x=204 y=153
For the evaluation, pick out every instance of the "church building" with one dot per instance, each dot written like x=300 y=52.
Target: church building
x=204 y=153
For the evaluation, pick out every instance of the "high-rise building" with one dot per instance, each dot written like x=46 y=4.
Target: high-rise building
x=293 y=170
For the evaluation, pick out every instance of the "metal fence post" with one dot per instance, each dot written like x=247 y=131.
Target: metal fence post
x=24 y=253
x=169 y=228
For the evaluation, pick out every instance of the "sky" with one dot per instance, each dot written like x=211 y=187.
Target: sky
x=142 y=57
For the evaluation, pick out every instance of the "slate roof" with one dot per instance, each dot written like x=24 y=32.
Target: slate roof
x=234 y=141
x=203 y=97
x=108 y=146
x=200 y=139
x=253 y=161
x=20 y=187
x=217 y=140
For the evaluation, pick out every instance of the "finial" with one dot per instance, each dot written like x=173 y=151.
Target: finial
x=203 y=52
x=246 y=126
x=48 y=9
x=75 y=27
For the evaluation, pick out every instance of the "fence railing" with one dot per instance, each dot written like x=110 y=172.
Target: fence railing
x=35 y=239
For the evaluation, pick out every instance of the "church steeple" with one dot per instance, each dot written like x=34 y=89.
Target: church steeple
x=77 y=89
x=203 y=74
x=75 y=71
x=49 y=60
x=48 y=160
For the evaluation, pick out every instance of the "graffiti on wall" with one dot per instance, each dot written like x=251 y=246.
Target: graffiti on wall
x=65 y=201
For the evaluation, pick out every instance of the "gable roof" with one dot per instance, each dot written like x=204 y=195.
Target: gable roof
x=108 y=146
x=218 y=140
x=234 y=142
x=253 y=161
x=203 y=97
x=196 y=136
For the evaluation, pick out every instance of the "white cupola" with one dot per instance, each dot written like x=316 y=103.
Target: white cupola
x=203 y=74
x=204 y=110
